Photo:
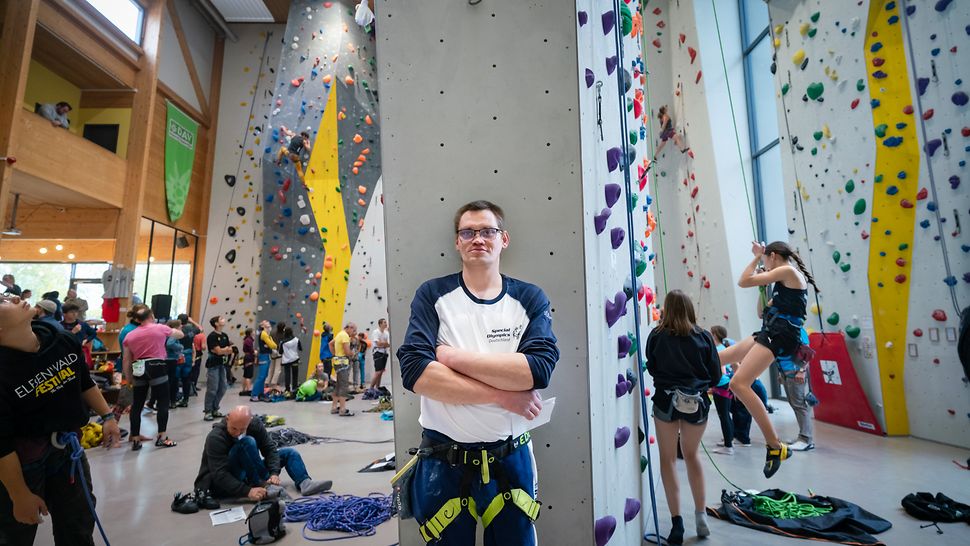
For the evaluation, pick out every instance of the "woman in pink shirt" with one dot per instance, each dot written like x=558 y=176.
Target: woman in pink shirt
x=144 y=366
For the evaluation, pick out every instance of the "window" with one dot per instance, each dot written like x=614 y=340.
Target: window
x=763 y=121
x=127 y=15
x=166 y=257
x=43 y=277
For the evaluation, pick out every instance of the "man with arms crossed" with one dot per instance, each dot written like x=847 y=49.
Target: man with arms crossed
x=478 y=346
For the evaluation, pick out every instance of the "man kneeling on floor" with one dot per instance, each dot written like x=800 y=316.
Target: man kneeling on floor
x=241 y=460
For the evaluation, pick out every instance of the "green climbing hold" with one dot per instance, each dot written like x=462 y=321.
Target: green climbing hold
x=641 y=267
x=852 y=331
x=815 y=90
x=350 y=68
x=817 y=135
x=877 y=179
x=903 y=246
x=860 y=206
x=363 y=83
x=833 y=319
x=633 y=201
x=845 y=267
x=815 y=17
x=323 y=230
x=812 y=32
x=643 y=463
x=340 y=142
x=814 y=151
x=626 y=19
x=850 y=186
x=860 y=85
x=338 y=188
x=881 y=130
x=633 y=137
x=784 y=89
x=836 y=256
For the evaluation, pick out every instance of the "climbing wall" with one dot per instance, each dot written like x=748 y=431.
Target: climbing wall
x=619 y=252
x=235 y=222
x=863 y=201
x=322 y=86
x=702 y=194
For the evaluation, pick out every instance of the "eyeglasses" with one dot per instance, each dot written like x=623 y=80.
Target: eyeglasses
x=487 y=234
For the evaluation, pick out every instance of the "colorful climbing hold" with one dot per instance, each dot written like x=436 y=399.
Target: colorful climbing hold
x=833 y=319
x=852 y=331
x=815 y=90
x=603 y=530
x=630 y=509
x=860 y=206
x=621 y=437
x=939 y=315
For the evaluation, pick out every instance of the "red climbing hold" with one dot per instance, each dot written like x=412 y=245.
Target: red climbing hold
x=906 y=204
x=698 y=78
x=661 y=24
x=683 y=37
x=908 y=109
x=707 y=284
x=690 y=274
x=900 y=262
x=918 y=332
x=921 y=194
x=939 y=315
x=900 y=278
x=951 y=411
x=693 y=54
x=693 y=193
x=864 y=234
x=855 y=103
x=928 y=114
x=286 y=184
x=656 y=43
x=877 y=61
x=656 y=11
x=690 y=233
x=965 y=131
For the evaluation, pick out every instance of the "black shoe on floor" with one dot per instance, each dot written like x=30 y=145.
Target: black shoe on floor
x=204 y=500
x=184 y=504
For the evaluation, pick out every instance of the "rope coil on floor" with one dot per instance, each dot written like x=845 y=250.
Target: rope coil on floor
x=358 y=516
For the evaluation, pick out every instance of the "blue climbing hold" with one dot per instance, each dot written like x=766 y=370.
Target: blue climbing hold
x=931 y=206
x=901 y=175
x=269 y=198
x=894 y=19
x=910 y=10
x=960 y=98
x=935 y=51
x=874 y=103
x=892 y=190
x=954 y=182
x=922 y=84
x=942 y=5
x=890 y=6
x=879 y=74
x=875 y=47
x=924 y=224
x=950 y=281
x=892 y=142
x=932 y=146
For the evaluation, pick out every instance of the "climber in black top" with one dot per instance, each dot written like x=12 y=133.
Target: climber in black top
x=294 y=151
x=780 y=333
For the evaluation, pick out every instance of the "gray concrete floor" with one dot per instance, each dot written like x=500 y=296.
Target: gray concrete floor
x=135 y=489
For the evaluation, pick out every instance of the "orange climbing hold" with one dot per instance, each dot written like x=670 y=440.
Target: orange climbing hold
x=368 y=120
x=355 y=170
x=358 y=163
x=327 y=79
x=213 y=300
x=358 y=139
x=365 y=151
x=317 y=275
x=349 y=80
x=361 y=190
x=362 y=157
x=341 y=116
x=328 y=262
x=314 y=296
x=361 y=202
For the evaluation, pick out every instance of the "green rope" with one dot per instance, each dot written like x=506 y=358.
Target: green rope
x=656 y=193
x=787 y=507
x=734 y=120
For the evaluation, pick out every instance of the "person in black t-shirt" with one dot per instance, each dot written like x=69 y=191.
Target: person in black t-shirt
x=216 y=383
x=298 y=143
x=45 y=389
x=682 y=359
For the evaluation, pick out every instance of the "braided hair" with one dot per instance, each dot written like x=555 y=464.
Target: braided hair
x=782 y=249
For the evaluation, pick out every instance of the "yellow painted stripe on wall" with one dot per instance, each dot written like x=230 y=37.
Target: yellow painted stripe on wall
x=892 y=226
x=323 y=180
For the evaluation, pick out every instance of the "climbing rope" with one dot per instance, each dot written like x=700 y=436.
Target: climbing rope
x=358 y=516
x=242 y=147
x=787 y=507
x=70 y=441
x=631 y=242
x=929 y=166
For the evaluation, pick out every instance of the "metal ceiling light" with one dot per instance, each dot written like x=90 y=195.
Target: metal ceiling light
x=12 y=230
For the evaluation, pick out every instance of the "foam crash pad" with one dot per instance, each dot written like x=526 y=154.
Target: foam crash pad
x=836 y=384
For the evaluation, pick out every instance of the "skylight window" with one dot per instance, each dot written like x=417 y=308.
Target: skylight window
x=127 y=15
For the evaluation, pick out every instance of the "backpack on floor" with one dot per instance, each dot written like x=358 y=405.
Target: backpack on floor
x=265 y=523
x=938 y=508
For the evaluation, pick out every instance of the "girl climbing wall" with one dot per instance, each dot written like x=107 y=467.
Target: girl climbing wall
x=780 y=334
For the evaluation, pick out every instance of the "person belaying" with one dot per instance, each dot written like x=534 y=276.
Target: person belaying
x=294 y=150
x=478 y=348
x=780 y=334
x=45 y=390
x=266 y=345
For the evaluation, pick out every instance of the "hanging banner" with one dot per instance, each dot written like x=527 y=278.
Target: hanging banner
x=180 y=133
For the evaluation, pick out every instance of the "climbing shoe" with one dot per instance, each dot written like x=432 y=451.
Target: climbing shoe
x=676 y=535
x=184 y=504
x=774 y=457
x=204 y=500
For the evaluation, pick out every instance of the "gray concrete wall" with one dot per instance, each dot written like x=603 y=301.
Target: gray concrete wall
x=481 y=102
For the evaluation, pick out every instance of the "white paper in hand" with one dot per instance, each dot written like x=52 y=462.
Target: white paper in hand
x=544 y=416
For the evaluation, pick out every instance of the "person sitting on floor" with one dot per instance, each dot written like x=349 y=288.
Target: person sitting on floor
x=311 y=390
x=240 y=460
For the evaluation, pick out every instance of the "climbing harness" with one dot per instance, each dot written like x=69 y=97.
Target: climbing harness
x=473 y=463
x=69 y=440
x=358 y=516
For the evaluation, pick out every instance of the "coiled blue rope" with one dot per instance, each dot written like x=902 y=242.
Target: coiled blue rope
x=69 y=440
x=358 y=516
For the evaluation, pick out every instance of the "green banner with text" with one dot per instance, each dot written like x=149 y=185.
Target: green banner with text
x=180 y=135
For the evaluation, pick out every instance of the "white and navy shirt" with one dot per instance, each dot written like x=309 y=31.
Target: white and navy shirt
x=445 y=312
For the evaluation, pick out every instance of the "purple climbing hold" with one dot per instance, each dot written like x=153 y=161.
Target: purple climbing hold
x=611 y=63
x=879 y=74
x=623 y=345
x=616 y=308
x=613 y=156
x=966 y=277
x=921 y=84
x=620 y=385
x=603 y=530
x=599 y=221
x=942 y=5
x=960 y=98
x=932 y=146
x=631 y=509
x=621 y=437
x=954 y=182
x=609 y=21
x=612 y=194
x=590 y=78
x=583 y=18
x=617 y=235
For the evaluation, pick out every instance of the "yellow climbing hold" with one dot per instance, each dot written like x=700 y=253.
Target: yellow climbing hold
x=826 y=131
x=798 y=57
x=779 y=28
x=803 y=29
x=814 y=309
x=777 y=43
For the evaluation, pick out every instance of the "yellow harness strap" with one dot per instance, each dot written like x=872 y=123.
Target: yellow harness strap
x=519 y=498
x=432 y=529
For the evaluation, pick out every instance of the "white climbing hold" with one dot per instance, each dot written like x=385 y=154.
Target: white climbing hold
x=305 y=219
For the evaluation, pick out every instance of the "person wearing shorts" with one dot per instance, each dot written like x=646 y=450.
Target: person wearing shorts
x=682 y=359
x=381 y=337
x=340 y=348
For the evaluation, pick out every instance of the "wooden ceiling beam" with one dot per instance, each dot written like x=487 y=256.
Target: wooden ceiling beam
x=187 y=57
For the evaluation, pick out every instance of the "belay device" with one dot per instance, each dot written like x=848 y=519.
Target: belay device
x=265 y=523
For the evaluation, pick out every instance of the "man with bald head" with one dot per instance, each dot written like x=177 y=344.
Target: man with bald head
x=241 y=460
x=340 y=348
